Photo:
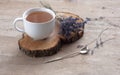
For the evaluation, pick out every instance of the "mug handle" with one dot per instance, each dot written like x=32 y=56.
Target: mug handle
x=15 y=25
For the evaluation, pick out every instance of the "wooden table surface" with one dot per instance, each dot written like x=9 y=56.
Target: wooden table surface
x=104 y=61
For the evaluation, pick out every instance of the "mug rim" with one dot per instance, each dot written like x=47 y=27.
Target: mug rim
x=39 y=9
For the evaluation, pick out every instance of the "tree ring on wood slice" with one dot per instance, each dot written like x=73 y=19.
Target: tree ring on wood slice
x=74 y=36
x=40 y=48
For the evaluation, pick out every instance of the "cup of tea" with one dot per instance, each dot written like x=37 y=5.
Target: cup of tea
x=38 y=23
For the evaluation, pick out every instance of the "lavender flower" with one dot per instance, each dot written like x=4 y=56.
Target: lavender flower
x=69 y=25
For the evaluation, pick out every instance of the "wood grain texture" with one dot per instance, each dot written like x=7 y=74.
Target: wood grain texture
x=39 y=48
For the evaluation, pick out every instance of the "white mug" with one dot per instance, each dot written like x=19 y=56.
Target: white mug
x=36 y=31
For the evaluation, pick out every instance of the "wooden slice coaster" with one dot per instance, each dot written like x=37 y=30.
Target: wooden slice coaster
x=74 y=36
x=39 y=48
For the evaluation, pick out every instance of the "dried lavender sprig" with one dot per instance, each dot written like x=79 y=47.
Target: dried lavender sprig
x=69 y=25
x=46 y=5
x=92 y=50
x=98 y=36
x=97 y=44
x=115 y=25
x=100 y=39
x=101 y=42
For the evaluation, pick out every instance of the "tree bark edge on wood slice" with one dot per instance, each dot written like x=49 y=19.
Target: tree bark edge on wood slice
x=42 y=53
x=77 y=35
x=40 y=48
